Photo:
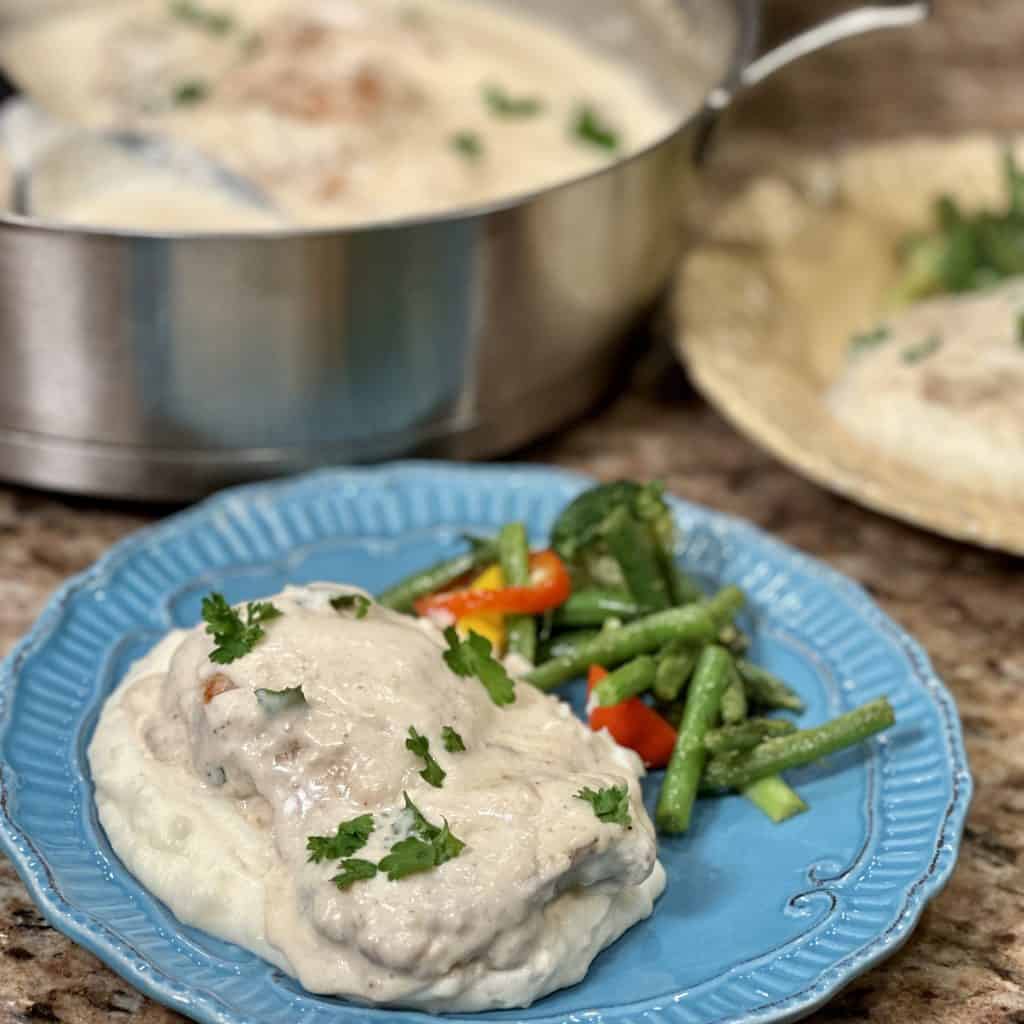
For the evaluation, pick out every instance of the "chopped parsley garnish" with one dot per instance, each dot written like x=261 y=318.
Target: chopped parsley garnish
x=433 y=774
x=351 y=837
x=233 y=637
x=217 y=23
x=429 y=848
x=611 y=805
x=588 y=127
x=354 y=870
x=870 y=339
x=453 y=742
x=966 y=250
x=276 y=701
x=352 y=603
x=188 y=94
x=420 y=825
x=468 y=145
x=472 y=657
x=502 y=104
x=409 y=857
x=919 y=353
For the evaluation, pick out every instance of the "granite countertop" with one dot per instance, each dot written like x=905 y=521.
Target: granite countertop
x=965 y=963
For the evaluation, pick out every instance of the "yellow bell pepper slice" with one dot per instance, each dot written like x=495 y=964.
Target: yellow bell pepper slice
x=487 y=624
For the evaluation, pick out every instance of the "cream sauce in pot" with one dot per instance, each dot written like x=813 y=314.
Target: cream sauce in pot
x=209 y=798
x=345 y=111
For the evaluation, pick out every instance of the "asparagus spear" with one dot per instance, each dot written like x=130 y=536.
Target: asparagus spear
x=514 y=550
x=775 y=798
x=404 y=595
x=766 y=690
x=800 y=748
x=679 y=790
x=592 y=606
x=632 y=679
x=675 y=667
x=746 y=735
x=697 y=623
x=734 y=700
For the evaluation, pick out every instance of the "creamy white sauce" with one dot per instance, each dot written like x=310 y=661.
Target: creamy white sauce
x=345 y=111
x=210 y=806
x=943 y=388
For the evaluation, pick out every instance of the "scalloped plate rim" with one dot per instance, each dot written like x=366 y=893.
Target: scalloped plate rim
x=116 y=953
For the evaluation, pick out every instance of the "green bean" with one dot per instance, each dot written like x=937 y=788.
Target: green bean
x=634 y=547
x=682 y=779
x=766 y=690
x=746 y=735
x=734 y=700
x=514 y=550
x=564 y=644
x=735 y=639
x=404 y=595
x=804 y=747
x=775 y=798
x=682 y=588
x=626 y=682
x=592 y=606
x=675 y=667
x=696 y=623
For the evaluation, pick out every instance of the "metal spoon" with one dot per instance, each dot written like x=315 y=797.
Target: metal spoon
x=47 y=179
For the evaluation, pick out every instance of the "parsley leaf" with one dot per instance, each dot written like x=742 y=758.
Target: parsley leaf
x=611 y=805
x=429 y=848
x=217 y=23
x=447 y=846
x=453 y=742
x=276 y=701
x=354 y=870
x=503 y=104
x=433 y=774
x=352 y=603
x=469 y=145
x=589 y=128
x=472 y=657
x=233 y=637
x=919 y=353
x=190 y=92
x=870 y=339
x=409 y=857
x=420 y=825
x=351 y=836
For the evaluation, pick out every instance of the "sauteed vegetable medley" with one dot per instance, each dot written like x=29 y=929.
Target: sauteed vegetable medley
x=665 y=662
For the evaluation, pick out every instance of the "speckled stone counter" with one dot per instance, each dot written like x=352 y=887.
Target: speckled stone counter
x=965 y=965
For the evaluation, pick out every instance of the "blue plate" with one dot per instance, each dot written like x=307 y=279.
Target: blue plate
x=759 y=923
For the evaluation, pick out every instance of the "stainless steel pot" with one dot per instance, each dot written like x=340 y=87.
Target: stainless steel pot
x=159 y=366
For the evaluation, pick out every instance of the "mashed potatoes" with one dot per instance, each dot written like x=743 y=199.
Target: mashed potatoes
x=941 y=385
x=211 y=779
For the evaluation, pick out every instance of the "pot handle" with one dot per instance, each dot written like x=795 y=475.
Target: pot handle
x=859 y=21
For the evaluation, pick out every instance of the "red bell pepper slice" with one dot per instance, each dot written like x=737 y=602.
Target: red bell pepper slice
x=550 y=586
x=635 y=725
